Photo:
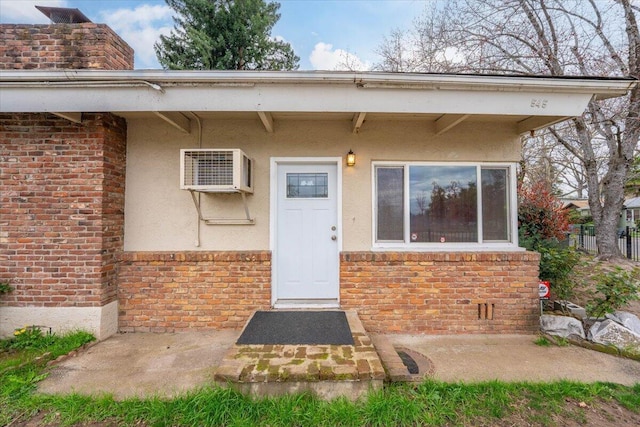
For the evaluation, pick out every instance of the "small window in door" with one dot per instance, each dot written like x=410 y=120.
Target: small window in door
x=307 y=185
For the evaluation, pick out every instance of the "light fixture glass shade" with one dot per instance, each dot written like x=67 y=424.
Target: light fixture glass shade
x=351 y=158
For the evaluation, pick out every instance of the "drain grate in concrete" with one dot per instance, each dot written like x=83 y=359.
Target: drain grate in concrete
x=408 y=361
x=418 y=366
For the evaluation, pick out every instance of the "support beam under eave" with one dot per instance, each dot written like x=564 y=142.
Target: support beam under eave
x=448 y=122
x=72 y=117
x=538 y=122
x=175 y=119
x=357 y=121
x=267 y=120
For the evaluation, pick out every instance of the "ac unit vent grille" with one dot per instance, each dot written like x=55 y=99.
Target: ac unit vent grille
x=216 y=170
x=209 y=168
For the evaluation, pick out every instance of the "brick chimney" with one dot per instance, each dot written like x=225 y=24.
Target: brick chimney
x=62 y=188
x=63 y=46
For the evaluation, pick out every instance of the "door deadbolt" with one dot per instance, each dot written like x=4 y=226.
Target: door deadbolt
x=334 y=237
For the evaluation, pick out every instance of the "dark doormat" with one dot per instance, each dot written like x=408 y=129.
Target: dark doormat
x=297 y=327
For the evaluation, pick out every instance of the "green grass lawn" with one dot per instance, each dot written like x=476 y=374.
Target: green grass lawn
x=428 y=403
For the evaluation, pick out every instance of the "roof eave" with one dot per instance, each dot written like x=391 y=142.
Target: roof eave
x=600 y=87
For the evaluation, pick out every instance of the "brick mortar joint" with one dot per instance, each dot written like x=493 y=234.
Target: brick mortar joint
x=194 y=256
x=453 y=257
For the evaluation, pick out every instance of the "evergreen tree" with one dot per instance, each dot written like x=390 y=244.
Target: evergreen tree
x=224 y=35
x=632 y=187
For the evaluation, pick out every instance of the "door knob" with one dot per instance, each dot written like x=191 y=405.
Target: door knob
x=334 y=237
x=333 y=228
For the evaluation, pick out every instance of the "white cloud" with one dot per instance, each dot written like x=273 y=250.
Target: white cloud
x=324 y=57
x=141 y=28
x=25 y=12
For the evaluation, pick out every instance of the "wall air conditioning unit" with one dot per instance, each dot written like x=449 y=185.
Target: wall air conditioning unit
x=216 y=170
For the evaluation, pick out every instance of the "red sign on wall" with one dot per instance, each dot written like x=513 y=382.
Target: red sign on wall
x=544 y=289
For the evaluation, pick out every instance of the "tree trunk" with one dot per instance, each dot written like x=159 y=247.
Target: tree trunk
x=621 y=156
x=607 y=228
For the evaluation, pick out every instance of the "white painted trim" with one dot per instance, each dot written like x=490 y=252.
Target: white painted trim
x=286 y=305
x=479 y=200
x=273 y=209
x=513 y=208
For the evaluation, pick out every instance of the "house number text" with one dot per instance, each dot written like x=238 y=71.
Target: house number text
x=538 y=103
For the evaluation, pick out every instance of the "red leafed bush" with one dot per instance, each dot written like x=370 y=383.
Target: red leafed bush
x=540 y=216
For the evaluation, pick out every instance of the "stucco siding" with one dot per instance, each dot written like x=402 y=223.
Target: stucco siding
x=161 y=217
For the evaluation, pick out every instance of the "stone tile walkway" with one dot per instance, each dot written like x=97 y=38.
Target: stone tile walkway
x=327 y=370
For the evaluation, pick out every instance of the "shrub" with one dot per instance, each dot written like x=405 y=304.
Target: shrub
x=541 y=218
x=556 y=266
x=575 y=217
x=584 y=219
x=542 y=226
x=615 y=289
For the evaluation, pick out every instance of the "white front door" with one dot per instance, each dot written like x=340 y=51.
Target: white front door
x=307 y=235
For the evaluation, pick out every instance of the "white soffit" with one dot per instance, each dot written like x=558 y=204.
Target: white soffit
x=303 y=92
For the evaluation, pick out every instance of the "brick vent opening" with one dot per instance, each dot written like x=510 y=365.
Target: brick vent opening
x=485 y=311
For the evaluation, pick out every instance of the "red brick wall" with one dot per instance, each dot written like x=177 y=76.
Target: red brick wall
x=392 y=292
x=440 y=293
x=161 y=291
x=63 y=46
x=61 y=208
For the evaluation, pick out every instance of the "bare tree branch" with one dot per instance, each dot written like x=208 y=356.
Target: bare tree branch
x=557 y=37
x=566 y=144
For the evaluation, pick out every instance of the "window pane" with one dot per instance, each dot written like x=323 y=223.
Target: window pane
x=390 y=205
x=307 y=185
x=495 y=205
x=443 y=202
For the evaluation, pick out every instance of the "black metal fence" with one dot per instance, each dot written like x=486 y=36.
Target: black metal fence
x=584 y=237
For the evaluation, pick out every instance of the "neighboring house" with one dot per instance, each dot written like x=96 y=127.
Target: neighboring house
x=419 y=235
x=628 y=217
x=630 y=213
x=580 y=206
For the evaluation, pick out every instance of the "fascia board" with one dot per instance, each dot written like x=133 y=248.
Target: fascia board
x=290 y=98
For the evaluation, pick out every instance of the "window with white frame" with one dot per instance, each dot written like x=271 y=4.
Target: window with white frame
x=422 y=204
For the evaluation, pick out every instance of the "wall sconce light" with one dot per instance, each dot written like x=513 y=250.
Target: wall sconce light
x=351 y=158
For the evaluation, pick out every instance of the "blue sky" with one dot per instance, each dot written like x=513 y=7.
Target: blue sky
x=321 y=32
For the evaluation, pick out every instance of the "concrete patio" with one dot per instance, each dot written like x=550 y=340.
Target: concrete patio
x=145 y=364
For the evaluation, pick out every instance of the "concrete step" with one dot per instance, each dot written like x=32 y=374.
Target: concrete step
x=328 y=371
